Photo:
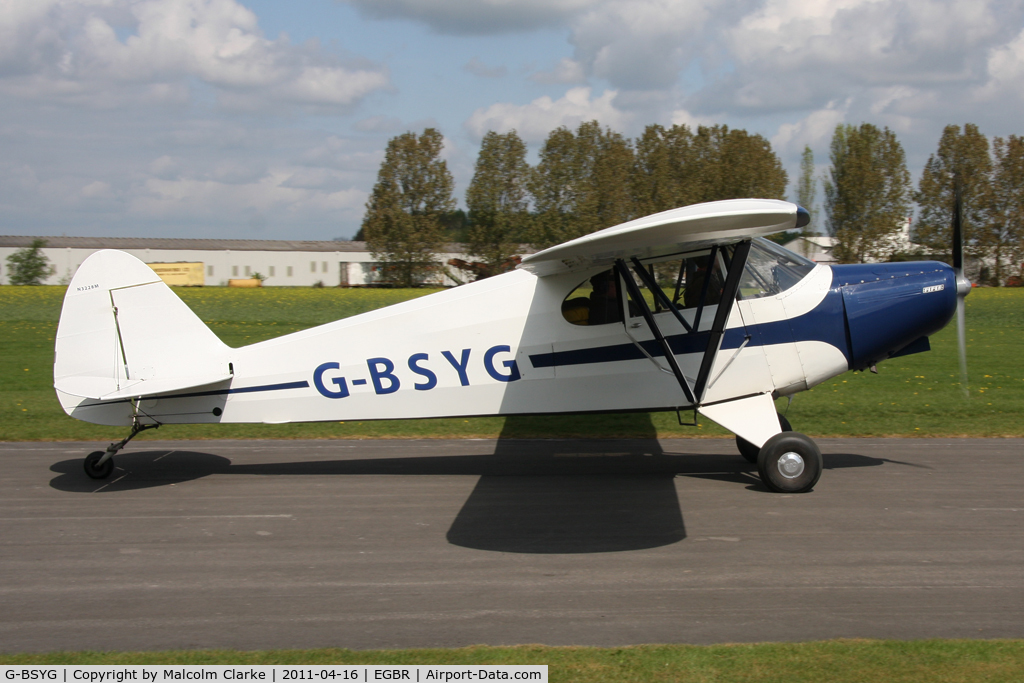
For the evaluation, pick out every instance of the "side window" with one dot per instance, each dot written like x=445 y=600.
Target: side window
x=595 y=301
x=690 y=281
x=686 y=281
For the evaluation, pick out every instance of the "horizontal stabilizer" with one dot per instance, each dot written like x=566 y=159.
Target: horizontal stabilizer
x=106 y=389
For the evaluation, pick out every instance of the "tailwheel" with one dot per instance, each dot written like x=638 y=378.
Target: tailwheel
x=749 y=451
x=99 y=464
x=789 y=462
x=95 y=469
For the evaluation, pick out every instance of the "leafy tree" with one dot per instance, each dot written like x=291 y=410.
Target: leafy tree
x=581 y=183
x=497 y=199
x=29 y=266
x=964 y=153
x=553 y=185
x=665 y=174
x=455 y=225
x=807 y=192
x=676 y=167
x=866 y=193
x=739 y=165
x=807 y=188
x=607 y=158
x=1005 y=233
x=402 y=226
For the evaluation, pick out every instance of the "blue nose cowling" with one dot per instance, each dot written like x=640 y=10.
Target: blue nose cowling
x=890 y=306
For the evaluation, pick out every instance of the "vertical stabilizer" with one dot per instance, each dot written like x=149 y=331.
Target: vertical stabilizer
x=123 y=334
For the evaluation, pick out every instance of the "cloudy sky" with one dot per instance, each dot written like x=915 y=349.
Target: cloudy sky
x=268 y=119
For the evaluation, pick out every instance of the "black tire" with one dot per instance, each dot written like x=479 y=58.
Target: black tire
x=749 y=451
x=789 y=462
x=98 y=472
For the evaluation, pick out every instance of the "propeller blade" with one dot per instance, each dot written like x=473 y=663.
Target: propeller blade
x=963 y=285
x=961 y=339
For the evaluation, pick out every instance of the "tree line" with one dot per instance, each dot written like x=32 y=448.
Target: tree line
x=868 y=196
x=592 y=178
x=584 y=180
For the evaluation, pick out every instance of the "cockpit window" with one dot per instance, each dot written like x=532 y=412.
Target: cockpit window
x=692 y=280
x=771 y=270
x=595 y=302
x=688 y=281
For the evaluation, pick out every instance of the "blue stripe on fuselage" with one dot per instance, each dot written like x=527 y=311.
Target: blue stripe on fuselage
x=825 y=324
x=302 y=384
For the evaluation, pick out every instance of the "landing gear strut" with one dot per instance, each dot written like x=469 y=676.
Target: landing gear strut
x=99 y=464
x=749 y=451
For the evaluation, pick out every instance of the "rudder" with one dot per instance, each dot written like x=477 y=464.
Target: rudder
x=123 y=334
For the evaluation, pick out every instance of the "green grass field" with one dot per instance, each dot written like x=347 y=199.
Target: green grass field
x=838 y=661
x=915 y=395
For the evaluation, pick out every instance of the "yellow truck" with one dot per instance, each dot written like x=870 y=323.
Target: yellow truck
x=180 y=274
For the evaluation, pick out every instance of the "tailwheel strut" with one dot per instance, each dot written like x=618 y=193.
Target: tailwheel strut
x=99 y=464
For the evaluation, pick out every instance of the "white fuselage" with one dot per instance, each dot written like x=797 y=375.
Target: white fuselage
x=497 y=347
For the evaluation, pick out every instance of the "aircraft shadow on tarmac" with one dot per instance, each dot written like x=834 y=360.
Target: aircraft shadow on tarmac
x=551 y=496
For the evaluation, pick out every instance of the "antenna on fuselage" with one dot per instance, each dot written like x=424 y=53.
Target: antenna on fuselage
x=963 y=285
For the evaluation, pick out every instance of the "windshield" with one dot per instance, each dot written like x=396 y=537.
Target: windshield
x=771 y=269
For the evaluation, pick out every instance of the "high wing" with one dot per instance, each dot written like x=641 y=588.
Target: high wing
x=688 y=227
x=712 y=225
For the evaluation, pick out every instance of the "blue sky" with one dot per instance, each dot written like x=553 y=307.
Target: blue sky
x=253 y=118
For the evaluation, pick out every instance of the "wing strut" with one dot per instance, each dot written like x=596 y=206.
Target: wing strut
x=704 y=287
x=637 y=296
x=659 y=293
x=725 y=304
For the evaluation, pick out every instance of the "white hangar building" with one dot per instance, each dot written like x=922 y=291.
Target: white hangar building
x=283 y=263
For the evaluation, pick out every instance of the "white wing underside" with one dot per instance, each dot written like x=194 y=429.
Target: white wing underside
x=683 y=229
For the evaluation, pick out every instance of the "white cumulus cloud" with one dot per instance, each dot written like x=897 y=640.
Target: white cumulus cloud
x=70 y=50
x=535 y=120
x=792 y=54
x=814 y=130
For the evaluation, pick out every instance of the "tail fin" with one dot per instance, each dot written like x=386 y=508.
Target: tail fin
x=124 y=334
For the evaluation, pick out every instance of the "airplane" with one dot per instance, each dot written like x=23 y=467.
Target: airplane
x=690 y=310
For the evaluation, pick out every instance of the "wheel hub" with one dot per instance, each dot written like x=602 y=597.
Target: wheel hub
x=791 y=465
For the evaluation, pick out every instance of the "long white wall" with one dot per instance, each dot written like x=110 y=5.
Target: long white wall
x=281 y=268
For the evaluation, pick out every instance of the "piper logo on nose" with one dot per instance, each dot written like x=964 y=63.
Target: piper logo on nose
x=933 y=288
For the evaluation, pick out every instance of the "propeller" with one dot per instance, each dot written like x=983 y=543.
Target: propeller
x=963 y=285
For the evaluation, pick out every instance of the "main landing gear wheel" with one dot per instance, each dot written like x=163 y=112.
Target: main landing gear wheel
x=749 y=451
x=95 y=470
x=789 y=463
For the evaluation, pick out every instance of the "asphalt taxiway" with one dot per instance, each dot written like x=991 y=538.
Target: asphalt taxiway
x=398 y=544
